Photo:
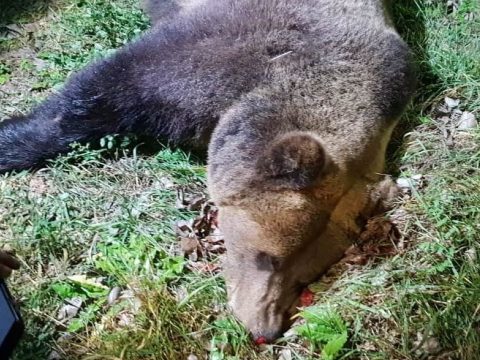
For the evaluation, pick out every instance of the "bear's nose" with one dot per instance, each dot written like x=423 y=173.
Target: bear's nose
x=268 y=336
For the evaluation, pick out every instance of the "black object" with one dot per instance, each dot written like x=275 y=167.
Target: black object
x=11 y=324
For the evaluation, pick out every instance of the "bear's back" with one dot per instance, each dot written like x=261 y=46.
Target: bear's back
x=204 y=60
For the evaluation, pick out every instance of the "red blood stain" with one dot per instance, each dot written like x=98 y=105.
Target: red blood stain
x=306 y=298
x=261 y=340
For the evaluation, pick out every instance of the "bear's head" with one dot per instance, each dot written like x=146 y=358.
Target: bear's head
x=276 y=216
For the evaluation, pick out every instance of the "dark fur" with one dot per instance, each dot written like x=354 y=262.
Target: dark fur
x=175 y=82
x=295 y=101
x=160 y=10
x=282 y=165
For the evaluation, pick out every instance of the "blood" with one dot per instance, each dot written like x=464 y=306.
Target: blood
x=306 y=298
x=261 y=340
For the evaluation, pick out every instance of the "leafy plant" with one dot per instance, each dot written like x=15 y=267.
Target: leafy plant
x=229 y=337
x=325 y=330
x=138 y=257
x=5 y=72
x=91 y=293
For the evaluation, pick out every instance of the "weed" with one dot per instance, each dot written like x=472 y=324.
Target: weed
x=229 y=339
x=325 y=330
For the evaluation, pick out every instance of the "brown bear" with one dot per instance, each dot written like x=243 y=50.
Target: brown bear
x=295 y=101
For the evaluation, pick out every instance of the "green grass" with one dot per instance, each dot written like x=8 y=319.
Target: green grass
x=99 y=219
x=324 y=329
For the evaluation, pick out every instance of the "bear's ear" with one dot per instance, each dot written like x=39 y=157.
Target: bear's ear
x=292 y=161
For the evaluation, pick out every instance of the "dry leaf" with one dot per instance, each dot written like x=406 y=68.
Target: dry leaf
x=467 y=121
x=113 y=295
x=189 y=244
x=285 y=354
x=205 y=267
x=196 y=203
x=70 y=309
x=451 y=103
x=200 y=238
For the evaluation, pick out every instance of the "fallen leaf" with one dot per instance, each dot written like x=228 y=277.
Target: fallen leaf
x=467 y=121
x=204 y=267
x=378 y=239
x=285 y=354
x=451 y=103
x=183 y=228
x=442 y=110
x=426 y=344
x=180 y=201
x=471 y=255
x=54 y=355
x=404 y=183
x=125 y=319
x=132 y=298
x=166 y=182
x=379 y=233
x=189 y=244
x=113 y=295
x=39 y=64
x=196 y=203
x=200 y=237
x=358 y=259
x=38 y=185
x=367 y=346
x=70 y=309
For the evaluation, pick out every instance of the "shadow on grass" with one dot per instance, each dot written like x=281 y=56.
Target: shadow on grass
x=21 y=11
x=410 y=22
x=15 y=12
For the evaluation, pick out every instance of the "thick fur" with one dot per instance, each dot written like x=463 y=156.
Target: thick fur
x=295 y=100
x=159 y=11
